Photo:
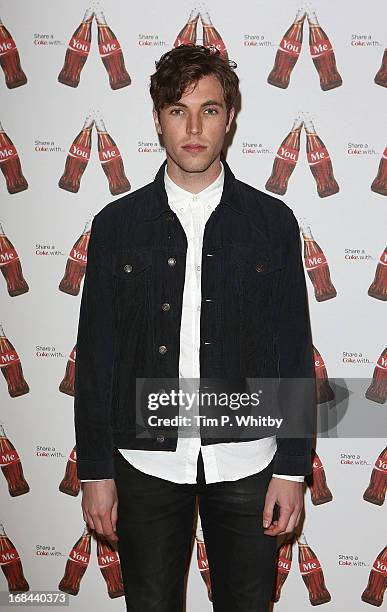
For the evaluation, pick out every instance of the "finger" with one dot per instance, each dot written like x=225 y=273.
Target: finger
x=267 y=513
x=292 y=522
x=88 y=519
x=282 y=523
x=98 y=525
x=107 y=527
x=298 y=518
x=114 y=516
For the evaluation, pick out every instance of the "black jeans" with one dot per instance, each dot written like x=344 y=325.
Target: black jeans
x=154 y=527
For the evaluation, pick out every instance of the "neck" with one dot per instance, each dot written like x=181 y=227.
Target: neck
x=194 y=182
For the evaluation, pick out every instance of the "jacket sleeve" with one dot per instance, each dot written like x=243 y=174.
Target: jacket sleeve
x=296 y=362
x=94 y=364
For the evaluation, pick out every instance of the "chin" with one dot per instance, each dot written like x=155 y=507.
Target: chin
x=195 y=168
x=195 y=165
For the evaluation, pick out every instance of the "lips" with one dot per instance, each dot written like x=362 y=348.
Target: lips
x=194 y=148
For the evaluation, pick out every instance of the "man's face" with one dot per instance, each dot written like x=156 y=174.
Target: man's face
x=193 y=129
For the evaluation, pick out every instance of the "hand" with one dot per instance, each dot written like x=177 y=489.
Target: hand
x=288 y=495
x=99 y=506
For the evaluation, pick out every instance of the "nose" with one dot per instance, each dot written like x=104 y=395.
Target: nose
x=194 y=124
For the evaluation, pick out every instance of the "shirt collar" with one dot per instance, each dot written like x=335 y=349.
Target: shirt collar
x=210 y=195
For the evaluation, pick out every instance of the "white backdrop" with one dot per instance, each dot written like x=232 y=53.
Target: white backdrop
x=43 y=222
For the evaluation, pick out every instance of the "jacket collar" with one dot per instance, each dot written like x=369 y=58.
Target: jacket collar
x=158 y=202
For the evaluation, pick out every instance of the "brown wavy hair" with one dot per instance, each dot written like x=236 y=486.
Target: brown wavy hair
x=184 y=66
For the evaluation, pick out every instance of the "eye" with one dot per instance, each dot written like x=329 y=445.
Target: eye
x=176 y=111
x=211 y=111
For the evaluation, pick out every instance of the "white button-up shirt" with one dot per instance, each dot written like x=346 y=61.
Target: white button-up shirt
x=223 y=461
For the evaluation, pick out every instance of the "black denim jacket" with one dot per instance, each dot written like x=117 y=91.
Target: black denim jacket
x=254 y=312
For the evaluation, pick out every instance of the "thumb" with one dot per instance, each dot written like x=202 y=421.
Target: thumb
x=267 y=514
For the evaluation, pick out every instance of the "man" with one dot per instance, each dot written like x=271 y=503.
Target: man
x=195 y=275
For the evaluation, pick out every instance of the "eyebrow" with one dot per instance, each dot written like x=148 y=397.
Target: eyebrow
x=207 y=103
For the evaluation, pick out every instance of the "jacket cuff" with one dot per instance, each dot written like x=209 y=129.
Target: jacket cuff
x=293 y=465
x=95 y=470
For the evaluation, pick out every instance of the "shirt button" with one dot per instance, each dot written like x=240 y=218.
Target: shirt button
x=128 y=268
x=194 y=198
x=171 y=261
x=166 y=306
x=160 y=438
x=198 y=268
x=162 y=349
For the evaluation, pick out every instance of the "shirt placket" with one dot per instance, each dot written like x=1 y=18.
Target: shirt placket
x=201 y=214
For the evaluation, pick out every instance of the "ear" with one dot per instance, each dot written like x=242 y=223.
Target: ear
x=230 y=118
x=157 y=122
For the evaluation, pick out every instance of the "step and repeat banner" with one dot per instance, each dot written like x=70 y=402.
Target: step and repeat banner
x=77 y=132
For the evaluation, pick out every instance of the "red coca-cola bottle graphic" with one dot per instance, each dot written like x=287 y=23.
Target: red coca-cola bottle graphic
x=312 y=573
x=77 y=158
x=109 y=564
x=375 y=493
x=379 y=184
x=317 y=482
x=187 y=35
x=317 y=267
x=111 y=53
x=284 y=563
x=324 y=392
x=381 y=75
x=11 y=367
x=377 y=391
x=11 y=466
x=70 y=483
x=322 y=54
x=201 y=556
x=77 y=52
x=377 y=581
x=67 y=384
x=211 y=36
x=288 y=53
x=10 y=266
x=285 y=160
x=10 y=164
x=77 y=563
x=11 y=564
x=10 y=60
x=76 y=264
x=111 y=160
x=378 y=287
x=319 y=162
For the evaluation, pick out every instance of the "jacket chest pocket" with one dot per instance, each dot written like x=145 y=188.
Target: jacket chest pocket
x=133 y=272
x=260 y=272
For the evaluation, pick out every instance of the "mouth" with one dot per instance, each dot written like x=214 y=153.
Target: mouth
x=194 y=148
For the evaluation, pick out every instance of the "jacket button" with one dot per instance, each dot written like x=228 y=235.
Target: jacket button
x=162 y=349
x=160 y=438
x=259 y=267
x=171 y=261
x=128 y=268
x=171 y=218
x=166 y=306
